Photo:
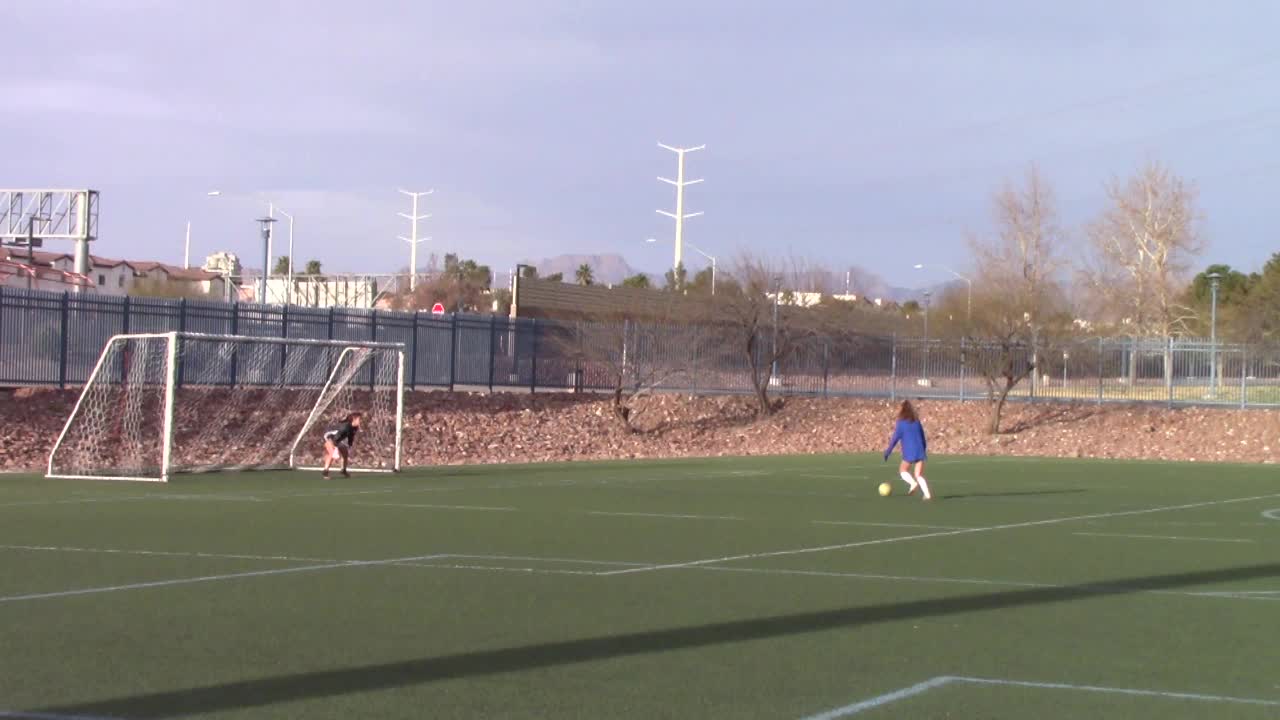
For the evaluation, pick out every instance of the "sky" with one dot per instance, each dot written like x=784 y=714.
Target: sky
x=848 y=133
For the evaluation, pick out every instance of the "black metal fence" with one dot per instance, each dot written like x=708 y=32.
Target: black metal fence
x=54 y=339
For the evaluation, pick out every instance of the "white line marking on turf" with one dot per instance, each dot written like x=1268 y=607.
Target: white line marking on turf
x=665 y=515
x=501 y=568
x=484 y=508
x=897 y=525
x=78 y=501
x=1123 y=691
x=881 y=700
x=1164 y=537
x=1271 y=514
x=49 y=716
x=213 y=578
x=165 y=553
x=937 y=682
x=947 y=533
x=569 y=561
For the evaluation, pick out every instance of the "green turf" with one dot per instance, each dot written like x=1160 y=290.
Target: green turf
x=517 y=606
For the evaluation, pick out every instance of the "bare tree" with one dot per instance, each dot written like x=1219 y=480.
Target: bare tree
x=754 y=316
x=636 y=354
x=1142 y=248
x=1018 y=294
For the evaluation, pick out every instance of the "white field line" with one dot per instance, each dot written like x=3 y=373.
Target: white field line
x=1271 y=514
x=946 y=533
x=500 y=568
x=664 y=515
x=77 y=501
x=893 y=525
x=48 y=716
x=1164 y=537
x=934 y=683
x=881 y=700
x=212 y=578
x=567 y=561
x=166 y=553
x=485 y=508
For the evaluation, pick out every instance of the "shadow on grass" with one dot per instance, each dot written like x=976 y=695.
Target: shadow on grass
x=1019 y=493
x=268 y=691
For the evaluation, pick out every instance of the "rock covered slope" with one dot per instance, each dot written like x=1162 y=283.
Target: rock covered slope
x=444 y=428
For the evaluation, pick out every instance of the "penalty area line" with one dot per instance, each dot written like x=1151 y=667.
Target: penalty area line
x=937 y=682
x=948 y=533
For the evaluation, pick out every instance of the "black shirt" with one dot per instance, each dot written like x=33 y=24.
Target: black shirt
x=346 y=432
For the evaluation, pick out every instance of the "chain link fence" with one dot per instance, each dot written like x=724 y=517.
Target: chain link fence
x=53 y=339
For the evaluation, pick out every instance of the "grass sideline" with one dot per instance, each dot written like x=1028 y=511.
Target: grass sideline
x=779 y=587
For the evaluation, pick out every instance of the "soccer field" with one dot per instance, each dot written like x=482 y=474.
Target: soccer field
x=779 y=588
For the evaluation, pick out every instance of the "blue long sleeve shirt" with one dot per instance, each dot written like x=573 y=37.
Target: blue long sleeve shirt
x=911 y=435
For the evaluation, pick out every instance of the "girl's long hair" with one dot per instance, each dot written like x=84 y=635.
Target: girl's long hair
x=353 y=416
x=908 y=412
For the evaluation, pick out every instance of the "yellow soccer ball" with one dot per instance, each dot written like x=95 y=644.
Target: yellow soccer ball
x=885 y=489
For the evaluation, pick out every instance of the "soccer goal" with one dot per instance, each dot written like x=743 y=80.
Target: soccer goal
x=160 y=404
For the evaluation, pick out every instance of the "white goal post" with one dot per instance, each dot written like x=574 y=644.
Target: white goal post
x=159 y=404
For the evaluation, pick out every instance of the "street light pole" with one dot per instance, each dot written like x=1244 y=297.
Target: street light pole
x=679 y=215
x=186 y=246
x=265 y=222
x=698 y=250
x=927 y=296
x=968 y=313
x=289 y=262
x=1215 y=279
x=777 y=293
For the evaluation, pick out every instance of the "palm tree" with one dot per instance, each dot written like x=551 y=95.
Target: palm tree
x=584 y=276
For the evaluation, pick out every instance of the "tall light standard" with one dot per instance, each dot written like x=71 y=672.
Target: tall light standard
x=265 y=222
x=1215 y=279
x=186 y=246
x=679 y=215
x=968 y=314
x=413 y=239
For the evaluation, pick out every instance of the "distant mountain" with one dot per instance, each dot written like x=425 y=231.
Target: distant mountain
x=867 y=283
x=607 y=269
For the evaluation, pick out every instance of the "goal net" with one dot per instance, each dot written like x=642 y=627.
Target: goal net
x=160 y=404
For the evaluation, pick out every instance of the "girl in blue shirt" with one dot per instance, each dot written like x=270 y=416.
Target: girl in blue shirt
x=910 y=432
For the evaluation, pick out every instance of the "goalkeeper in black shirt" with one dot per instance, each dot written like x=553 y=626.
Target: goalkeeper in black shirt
x=338 y=442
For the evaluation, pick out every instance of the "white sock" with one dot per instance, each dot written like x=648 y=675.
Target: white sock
x=924 y=487
x=906 y=477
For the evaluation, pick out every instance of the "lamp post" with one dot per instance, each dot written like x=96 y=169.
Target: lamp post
x=186 y=246
x=968 y=313
x=777 y=293
x=289 y=262
x=1065 y=356
x=927 y=296
x=265 y=222
x=1215 y=279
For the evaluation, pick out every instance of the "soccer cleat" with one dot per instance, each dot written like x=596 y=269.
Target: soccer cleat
x=346 y=474
x=324 y=475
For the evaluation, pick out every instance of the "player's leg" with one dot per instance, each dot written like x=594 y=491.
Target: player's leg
x=904 y=472
x=924 y=484
x=344 y=450
x=330 y=451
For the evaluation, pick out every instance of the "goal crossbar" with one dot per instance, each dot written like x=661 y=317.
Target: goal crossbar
x=116 y=417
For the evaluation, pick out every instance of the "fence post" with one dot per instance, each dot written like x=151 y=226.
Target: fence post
x=826 y=366
x=235 y=330
x=493 y=347
x=182 y=327
x=693 y=368
x=1168 y=367
x=1244 y=375
x=533 y=356
x=62 y=348
x=373 y=337
x=1101 y=369
x=124 y=321
x=413 y=353
x=453 y=348
x=963 y=361
x=893 y=369
x=331 y=322
x=284 y=333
